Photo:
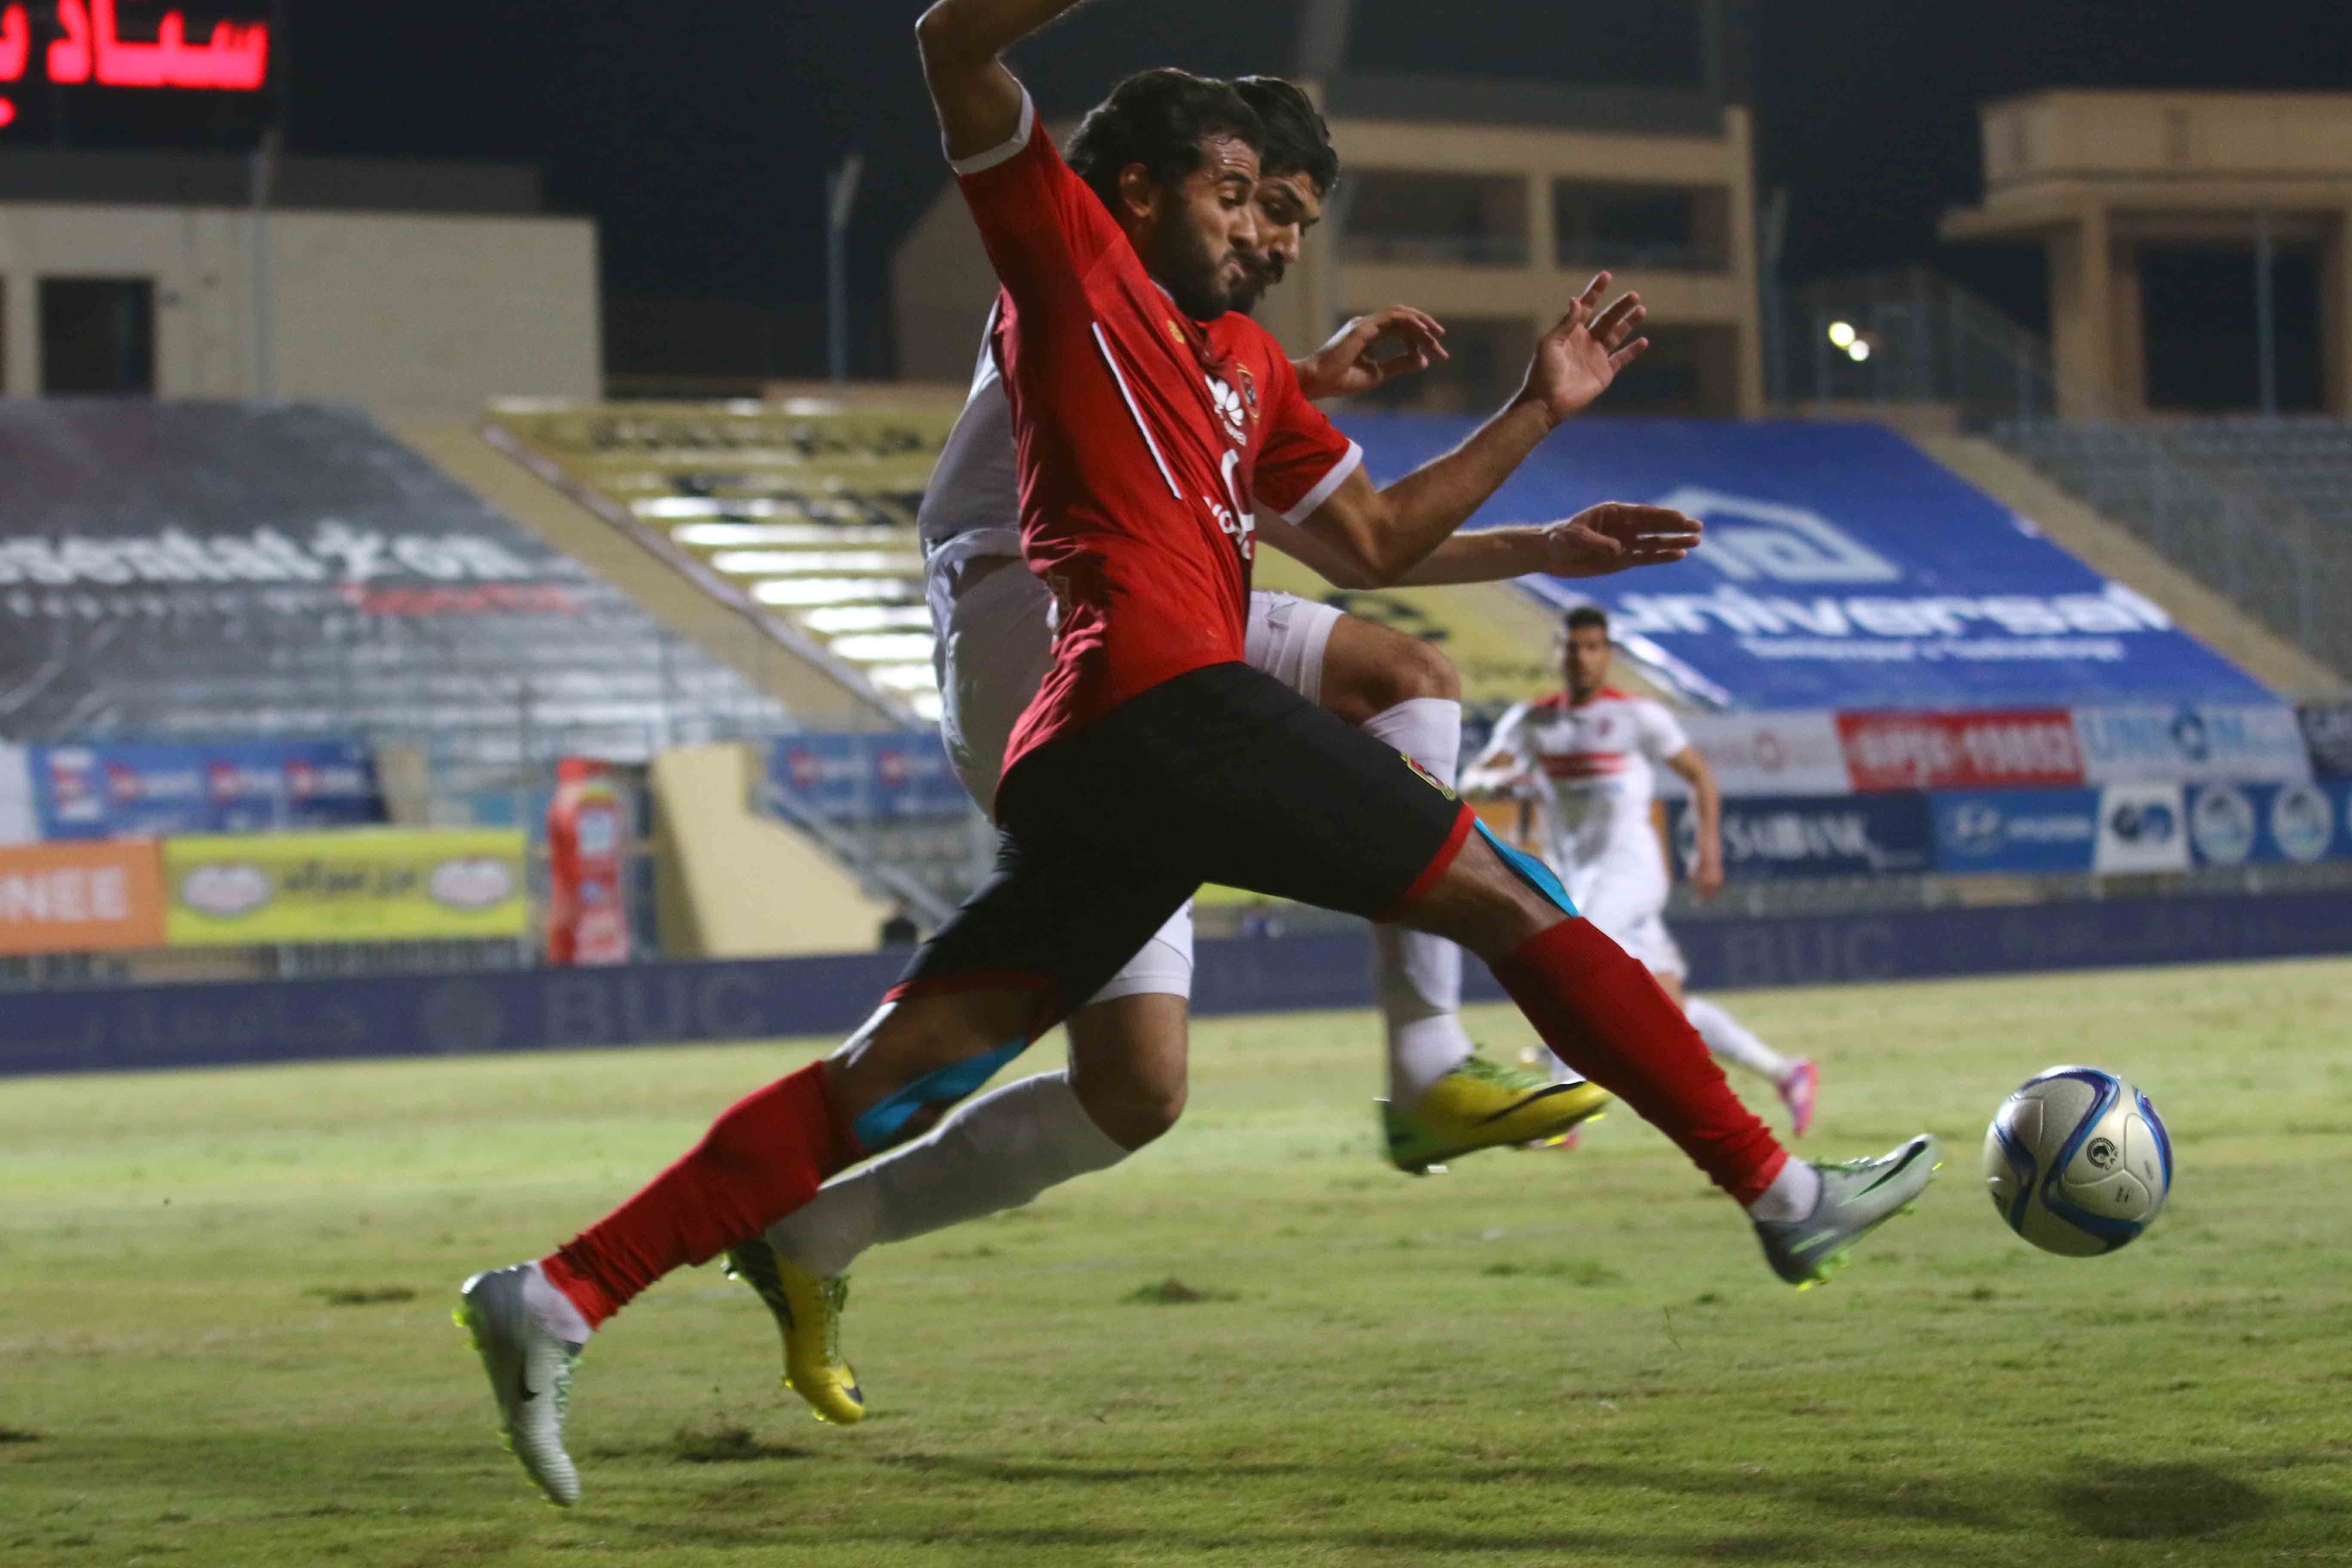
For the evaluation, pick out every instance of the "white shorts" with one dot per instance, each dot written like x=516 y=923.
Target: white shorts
x=995 y=643
x=1624 y=896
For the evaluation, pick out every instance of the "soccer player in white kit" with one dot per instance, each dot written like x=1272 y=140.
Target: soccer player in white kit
x=1586 y=757
x=1126 y=1082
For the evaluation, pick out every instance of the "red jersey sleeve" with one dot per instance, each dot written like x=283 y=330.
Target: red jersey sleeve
x=1041 y=224
x=1304 y=457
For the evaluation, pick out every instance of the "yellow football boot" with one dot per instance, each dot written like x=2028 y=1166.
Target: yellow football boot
x=807 y=1308
x=1485 y=1105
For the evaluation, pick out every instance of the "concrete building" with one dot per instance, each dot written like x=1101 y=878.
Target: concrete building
x=403 y=287
x=2101 y=179
x=1486 y=184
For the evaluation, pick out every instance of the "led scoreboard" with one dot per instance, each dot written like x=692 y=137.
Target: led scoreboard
x=177 y=60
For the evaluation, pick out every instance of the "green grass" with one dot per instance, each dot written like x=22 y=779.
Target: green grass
x=1251 y=1345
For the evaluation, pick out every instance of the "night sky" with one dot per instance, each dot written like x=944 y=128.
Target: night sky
x=699 y=134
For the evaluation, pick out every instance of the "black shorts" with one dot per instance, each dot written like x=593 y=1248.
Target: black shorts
x=1223 y=775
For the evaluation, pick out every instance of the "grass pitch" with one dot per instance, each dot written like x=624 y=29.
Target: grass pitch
x=225 y=1334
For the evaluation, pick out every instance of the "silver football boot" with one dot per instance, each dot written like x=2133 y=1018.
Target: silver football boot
x=1858 y=1197
x=531 y=1376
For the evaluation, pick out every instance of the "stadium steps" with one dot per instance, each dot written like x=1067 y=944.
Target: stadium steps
x=676 y=600
x=2119 y=552
x=2210 y=507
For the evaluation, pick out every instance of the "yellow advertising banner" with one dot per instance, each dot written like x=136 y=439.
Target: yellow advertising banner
x=389 y=884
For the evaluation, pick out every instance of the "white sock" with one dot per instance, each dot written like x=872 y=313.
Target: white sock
x=1791 y=1195
x=996 y=1153
x=1728 y=1037
x=552 y=1308
x=1418 y=977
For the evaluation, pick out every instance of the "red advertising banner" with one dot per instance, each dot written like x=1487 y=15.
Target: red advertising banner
x=2020 y=747
x=80 y=898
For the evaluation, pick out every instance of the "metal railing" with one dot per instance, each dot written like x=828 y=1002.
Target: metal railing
x=1923 y=339
x=2237 y=537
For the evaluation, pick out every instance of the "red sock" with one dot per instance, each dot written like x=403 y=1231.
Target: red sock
x=763 y=1158
x=1602 y=1013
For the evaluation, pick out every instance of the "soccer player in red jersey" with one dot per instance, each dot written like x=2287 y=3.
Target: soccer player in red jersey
x=1148 y=421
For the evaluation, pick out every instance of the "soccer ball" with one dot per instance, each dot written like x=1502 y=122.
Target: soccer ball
x=2078 y=1161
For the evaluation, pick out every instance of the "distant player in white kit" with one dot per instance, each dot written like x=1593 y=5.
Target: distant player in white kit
x=1587 y=758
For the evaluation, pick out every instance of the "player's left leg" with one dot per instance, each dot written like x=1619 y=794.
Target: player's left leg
x=1443 y=1099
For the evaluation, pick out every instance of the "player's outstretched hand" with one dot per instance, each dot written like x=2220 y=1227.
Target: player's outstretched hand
x=1576 y=361
x=1372 y=349
x=1616 y=535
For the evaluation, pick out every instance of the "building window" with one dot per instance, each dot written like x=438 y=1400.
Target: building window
x=1688 y=373
x=98 y=335
x=1674 y=228
x=1489 y=360
x=1451 y=220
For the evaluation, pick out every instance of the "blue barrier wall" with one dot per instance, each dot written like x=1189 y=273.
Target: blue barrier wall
x=548 y=1009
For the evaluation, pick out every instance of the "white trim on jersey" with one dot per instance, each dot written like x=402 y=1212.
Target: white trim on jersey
x=1324 y=486
x=1133 y=412
x=980 y=162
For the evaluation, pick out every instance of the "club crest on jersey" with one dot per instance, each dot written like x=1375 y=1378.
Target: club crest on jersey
x=1430 y=779
x=1230 y=410
x=1249 y=389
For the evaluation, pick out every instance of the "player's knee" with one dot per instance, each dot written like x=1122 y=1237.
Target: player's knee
x=1133 y=1112
x=1409 y=669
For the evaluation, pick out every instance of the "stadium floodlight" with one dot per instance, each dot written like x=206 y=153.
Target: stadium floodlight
x=1858 y=350
x=1843 y=335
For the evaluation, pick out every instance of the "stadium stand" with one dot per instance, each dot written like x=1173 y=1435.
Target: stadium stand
x=2258 y=508
x=215 y=571
x=801 y=509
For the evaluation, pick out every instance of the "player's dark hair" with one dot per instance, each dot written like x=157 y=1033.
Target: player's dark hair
x=1586 y=615
x=1160 y=119
x=1296 y=141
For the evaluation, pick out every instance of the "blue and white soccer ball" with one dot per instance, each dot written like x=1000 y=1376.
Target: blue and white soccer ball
x=2078 y=1161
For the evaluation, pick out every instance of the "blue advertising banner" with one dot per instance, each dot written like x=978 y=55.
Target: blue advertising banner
x=768 y=999
x=1842 y=568
x=859 y=777
x=2016 y=829
x=2271 y=823
x=1815 y=836
x=115 y=789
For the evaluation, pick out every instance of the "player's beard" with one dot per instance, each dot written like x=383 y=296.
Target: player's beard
x=1259 y=273
x=1192 y=269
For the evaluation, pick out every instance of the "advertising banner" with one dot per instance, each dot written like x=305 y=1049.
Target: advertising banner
x=857 y=777
x=1842 y=567
x=1813 y=836
x=2271 y=823
x=20 y=819
x=80 y=898
x=2142 y=827
x=1770 y=753
x=2024 y=749
x=115 y=789
x=362 y=885
x=2328 y=733
x=2017 y=830
x=2191 y=740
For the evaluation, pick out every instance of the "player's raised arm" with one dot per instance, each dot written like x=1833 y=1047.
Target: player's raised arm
x=977 y=99
x=1385 y=533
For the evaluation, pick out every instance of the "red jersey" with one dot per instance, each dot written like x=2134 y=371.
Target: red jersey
x=1144 y=440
